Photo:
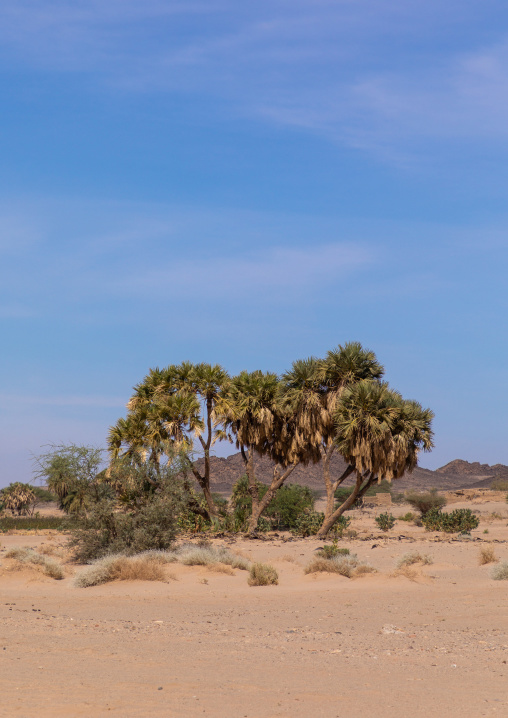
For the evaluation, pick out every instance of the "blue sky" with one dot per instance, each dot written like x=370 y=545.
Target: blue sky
x=248 y=184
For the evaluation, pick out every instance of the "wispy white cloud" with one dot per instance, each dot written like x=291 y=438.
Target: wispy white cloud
x=276 y=271
x=329 y=68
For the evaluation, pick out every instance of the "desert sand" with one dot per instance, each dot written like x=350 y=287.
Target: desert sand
x=434 y=641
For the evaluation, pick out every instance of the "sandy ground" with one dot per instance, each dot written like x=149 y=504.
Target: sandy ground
x=205 y=643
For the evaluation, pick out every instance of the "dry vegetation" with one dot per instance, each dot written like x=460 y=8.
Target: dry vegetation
x=487 y=555
x=345 y=565
x=148 y=566
x=500 y=573
x=23 y=557
x=262 y=574
x=414 y=557
x=121 y=568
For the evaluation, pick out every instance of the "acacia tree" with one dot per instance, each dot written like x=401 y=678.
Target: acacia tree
x=312 y=388
x=380 y=435
x=71 y=472
x=256 y=417
x=170 y=410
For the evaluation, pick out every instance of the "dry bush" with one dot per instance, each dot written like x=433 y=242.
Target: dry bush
x=409 y=559
x=500 y=573
x=262 y=574
x=406 y=571
x=136 y=569
x=499 y=484
x=343 y=565
x=487 y=555
x=28 y=557
x=160 y=557
x=195 y=556
x=57 y=551
x=425 y=501
x=221 y=568
x=287 y=557
x=364 y=568
x=120 y=568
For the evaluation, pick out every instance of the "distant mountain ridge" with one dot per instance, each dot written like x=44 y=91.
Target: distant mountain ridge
x=457 y=474
x=459 y=467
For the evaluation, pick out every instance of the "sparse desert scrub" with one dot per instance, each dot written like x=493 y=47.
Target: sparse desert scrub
x=218 y=559
x=28 y=557
x=458 y=521
x=120 y=568
x=499 y=484
x=407 y=571
x=409 y=516
x=343 y=565
x=425 y=501
x=191 y=555
x=221 y=568
x=262 y=574
x=385 y=521
x=487 y=555
x=329 y=551
x=414 y=557
x=364 y=568
x=500 y=573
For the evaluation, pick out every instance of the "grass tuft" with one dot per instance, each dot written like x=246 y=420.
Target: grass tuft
x=487 y=555
x=120 y=568
x=500 y=573
x=409 y=559
x=262 y=574
x=28 y=557
x=343 y=565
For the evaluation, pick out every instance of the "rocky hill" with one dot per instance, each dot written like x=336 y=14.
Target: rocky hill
x=456 y=475
x=459 y=467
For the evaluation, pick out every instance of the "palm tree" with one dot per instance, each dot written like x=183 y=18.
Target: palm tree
x=379 y=434
x=312 y=387
x=254 y=414
x=18 y=498
x=166 y=412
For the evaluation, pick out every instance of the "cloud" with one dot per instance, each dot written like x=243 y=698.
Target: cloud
x=346 y=71
x=275 y=271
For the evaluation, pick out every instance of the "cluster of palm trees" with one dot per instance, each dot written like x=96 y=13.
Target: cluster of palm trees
x=18 y=498
x=337 y=403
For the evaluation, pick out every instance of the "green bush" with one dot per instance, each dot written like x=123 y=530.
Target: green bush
x=340 y=526
x=283 y=511
x=308 y=524
x=330 y=551
x=410 y=516
x=142 y=516
x=425 y=501
x=458 y=521
x=385 y=521
x=385 y=487
x=290 y=501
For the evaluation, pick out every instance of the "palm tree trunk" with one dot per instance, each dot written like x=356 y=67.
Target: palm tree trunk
x=204 y=481
x=358 y=492
x=261 y=504
x=331 y=486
